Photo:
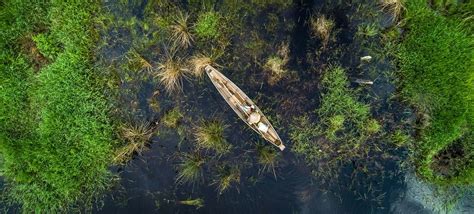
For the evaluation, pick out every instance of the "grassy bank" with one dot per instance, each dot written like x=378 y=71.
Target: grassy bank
x=437 y=77
x=54 y=131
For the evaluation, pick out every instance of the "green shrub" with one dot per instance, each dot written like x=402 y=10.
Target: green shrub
x=46 y=45
x=208 y=25
x=436 y=72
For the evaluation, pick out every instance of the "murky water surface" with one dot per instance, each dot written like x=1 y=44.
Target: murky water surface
x=147 y=184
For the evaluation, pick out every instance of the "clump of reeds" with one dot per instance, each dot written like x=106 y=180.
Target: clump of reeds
x=226 y=176
x=210 y=136
x=276 y=64
x=171 y=118
x=180 y=31
x=171 y=73
x=267 y=157
x=394 y=7
x=322 y=27
x=137 y=137
x=198 y=64
x=190 y=168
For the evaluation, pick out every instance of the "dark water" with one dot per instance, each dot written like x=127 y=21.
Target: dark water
x=147 y=183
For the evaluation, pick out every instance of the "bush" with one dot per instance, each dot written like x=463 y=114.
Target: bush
x=437 y=76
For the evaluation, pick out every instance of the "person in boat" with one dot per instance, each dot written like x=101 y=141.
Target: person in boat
x=254 y=118
x=248 y=109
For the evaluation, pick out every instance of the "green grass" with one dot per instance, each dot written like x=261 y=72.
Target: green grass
x=437 y=77
x=190 y=168
x=208 y=25
x=172 y=118
x=342 y=131
x=54 y=130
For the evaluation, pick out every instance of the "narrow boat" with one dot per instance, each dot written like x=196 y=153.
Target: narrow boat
x=244 y=107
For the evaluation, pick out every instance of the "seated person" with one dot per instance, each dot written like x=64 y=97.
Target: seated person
x=254 y=118
x=262 y=127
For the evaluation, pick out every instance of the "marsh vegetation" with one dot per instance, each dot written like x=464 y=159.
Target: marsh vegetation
x=106 y=105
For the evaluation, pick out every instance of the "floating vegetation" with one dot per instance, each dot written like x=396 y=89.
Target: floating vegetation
x=367 y=30
x=276 y=64
x=171 y=73
x=267 y=158
x=343 y=130
x=190 y=168
x=198 y=202
x=208 y=25
x=172 y=118
x=180 y=31
x=198 y=64
x=136 y=137
x=210 y=136
x=322 y=28
x=136 y=62
x=226 y=177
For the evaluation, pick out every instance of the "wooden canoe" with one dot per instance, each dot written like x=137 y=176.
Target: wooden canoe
x=237 y=100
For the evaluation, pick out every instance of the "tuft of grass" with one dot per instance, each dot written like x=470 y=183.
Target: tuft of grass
x=136 y=137
x=394 y=7
x=322 y=28
x=210 y=136
x=207 y=25
x=436 y=76
x=171 y=73
x=276 y=64
x=267 y=158
x=226 y=177
x=367 y=30
x=190 y=168
x=136 y=62
x=198 y=63
x=180 y=30
x=336 y=123
x=172 y=118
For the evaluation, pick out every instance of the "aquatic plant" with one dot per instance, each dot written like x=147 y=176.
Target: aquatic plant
x=171 y=72
x=322 y=28
x=136 y=137
x=199 y=63
x=440 y=86
x=210 y=136
x=341 y=135
x=394 y=7
x=207 y=25
x=56 y=133
x=171 y=118
x=267 y=157
x=190 y=168
x=399 y=138
x=198 y=202
x=226 y=176
x=180 y=31
x=136 y=62
x=367 y=30
x=276 y=64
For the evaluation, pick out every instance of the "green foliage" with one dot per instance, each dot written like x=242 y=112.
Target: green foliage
x=226 y=176
x=172 y=118
x=190 y=168
x=342 y=132
x=437 y=77
x=208 y=25
x=367 y=30
x=56 y=136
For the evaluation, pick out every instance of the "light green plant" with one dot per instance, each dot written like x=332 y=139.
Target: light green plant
x=208 y=25
x=210 y=136
x=172 y=118
x=190 y=168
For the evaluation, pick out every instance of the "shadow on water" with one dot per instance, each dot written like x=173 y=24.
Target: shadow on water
x=147 y=183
